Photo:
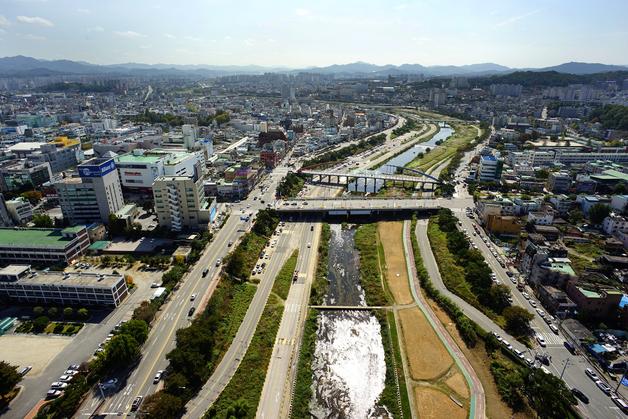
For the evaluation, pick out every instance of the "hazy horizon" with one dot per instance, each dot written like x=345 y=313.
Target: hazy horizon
x=298 y=34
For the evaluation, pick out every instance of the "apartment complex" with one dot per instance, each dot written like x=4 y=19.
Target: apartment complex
x=61 y=154
x=19 y=283
x=42 y=245
x=93 y=196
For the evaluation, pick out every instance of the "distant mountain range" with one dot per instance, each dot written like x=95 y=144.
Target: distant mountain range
x=21 y=66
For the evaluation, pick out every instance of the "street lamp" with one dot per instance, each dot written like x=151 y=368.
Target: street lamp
x=566 y=362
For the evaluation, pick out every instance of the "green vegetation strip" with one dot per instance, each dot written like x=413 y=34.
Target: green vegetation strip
x=332 y=157
x=303 y=385
x=319 y=286
x=241 y=396
x=394 y=383
x=281 y=287
x=366 y=242
x=401 y=379
x=290 y=186
x=460 y=139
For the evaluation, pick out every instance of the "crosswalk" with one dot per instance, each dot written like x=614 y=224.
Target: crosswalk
x=551 y=339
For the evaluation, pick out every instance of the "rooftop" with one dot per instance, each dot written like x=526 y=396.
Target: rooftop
x=83 y=279
x=130 y=158
x=34 y=237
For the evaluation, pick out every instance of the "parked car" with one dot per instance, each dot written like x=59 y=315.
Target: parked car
x=580 y=395
x=66 y=378
x=604 y=387
x=540 y=340
x=592 y=375
x=25 y=370
x=553 y=328
x=158 y=376
x=53 y=394
x=570 y=347
x=621 y=403
x=57 y=385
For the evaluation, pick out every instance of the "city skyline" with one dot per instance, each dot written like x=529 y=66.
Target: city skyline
x=295 y=35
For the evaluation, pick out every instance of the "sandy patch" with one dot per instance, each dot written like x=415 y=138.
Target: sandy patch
x=396 y=272
x=458 y=384
x=427 y=357
x=433 y=404
x=38 y=351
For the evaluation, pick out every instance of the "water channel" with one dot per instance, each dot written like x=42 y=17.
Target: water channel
x=348 y=366
x=402 y=159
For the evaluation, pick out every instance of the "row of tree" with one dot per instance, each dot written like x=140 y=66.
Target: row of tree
x=221 y=117
x=334 y=156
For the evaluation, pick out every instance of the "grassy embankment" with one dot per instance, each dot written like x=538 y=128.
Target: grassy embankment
x=281 y=287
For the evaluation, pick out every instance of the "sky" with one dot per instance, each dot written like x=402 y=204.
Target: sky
x=299 y=34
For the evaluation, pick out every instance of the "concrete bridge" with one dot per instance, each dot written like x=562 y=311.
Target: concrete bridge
x=343 y=178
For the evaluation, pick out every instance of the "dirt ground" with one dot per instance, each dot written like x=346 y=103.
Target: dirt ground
x=458 y=384
x=427 y=357
x=396 y=272
x=495 y=407
x=433 y=404
x=37 y=351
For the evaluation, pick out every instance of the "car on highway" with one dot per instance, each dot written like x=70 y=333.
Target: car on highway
x=218 y=261
x=580 y=395
x=525 y=295
x=591 y=374
x=191 y=311
x=136 y=403
x=309 y=245
x=230 y=244
x=205 y=272
x=192 y=297
x=604 y=387
x=158 y=376
x=540 y=340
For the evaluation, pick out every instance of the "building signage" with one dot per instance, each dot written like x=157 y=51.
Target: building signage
x=97 y=170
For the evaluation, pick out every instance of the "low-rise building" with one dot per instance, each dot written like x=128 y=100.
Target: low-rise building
x=559 y=182
x=595 y=301
x=614 y=223
x=18 y=175
x=556 y=301
x=19 y=283
x=42 y=245
x=20 y=210
x=552 y=271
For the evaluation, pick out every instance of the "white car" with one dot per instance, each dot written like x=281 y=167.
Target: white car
x=532 y=303
x=57 y=385
x=592 y=375
x=193 y=297
x=66 y=378
x=541 y=340
x=541 y=312
x=525 y=295
x=553 y=328
x=158 y=376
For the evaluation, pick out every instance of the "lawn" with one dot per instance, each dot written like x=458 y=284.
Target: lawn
x=319 y=286
x=462 y=136
x=281 y=287
x=367 y=242
x=246 y=385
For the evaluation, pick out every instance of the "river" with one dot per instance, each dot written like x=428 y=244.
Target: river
x=348 y=365
x=401 y=160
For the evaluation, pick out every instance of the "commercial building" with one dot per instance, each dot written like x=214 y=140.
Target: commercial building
x=180 y=202
x=93 y=196
x=597 y=302
x=42 y=245
x=62 y=153
x=20 y=210
x=490 y=169
x=17 y=175
x=19 y=283
x=139 y=169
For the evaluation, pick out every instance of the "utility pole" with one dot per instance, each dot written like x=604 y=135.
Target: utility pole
x=564 y=368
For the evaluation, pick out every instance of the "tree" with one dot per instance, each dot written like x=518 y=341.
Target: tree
x=498 y=297
x=138 y=329
x=238 y=410
x=162 y=405
x=38 y=310
x=620 y=189
x=547 y=394
x=121 y=351
x=517 y=320
x=575 y=216
x=598 y=213
x=42 y=221
x=32 y=196
x=542 y=174
x=146 y=311
x=53 y=312
x=83 y=313
x=40 y=323
x=68 y=312
x=9 y=377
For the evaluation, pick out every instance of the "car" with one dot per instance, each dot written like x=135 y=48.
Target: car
x=57 y=385
x=312 y=227
x=553 y=328
x=192 y=297
x=507 y=344
x=532 y=303
x=591 y=374
x=309 y=245
x=53 y=394
x=518 y=353
x=71 y=372
x=77 y=367
x=540 y=340
x=580 y=395
x=230 y=244
x=529 y=361
x=570 y=347
x=218 y=261
x=66 y=378
x=621 y=403
x=25 y=370
x=604 y=387
x=541 y=312
x=136 y=403
x=205 y=272
x=158 y=376
x=155 y=285
x=191 y=311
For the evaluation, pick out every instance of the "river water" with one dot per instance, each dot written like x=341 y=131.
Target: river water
x=348 y=365
x=401 y=160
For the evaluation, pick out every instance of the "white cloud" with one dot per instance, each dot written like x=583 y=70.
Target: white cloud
x=129 y=34
x=4 y=22
x=83 y=11
x=250 y=42
x=227 y=38
x=35 y=20
x=302 y=12
x=192 y=38
x=96 y=29
x=169 y=36
x=514 y=19
x=32 y=37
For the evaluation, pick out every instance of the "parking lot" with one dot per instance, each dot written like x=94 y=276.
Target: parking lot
x=34 y=350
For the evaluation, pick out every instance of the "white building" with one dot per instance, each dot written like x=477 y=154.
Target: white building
x=614 y=223
x=490 y=169
x=20 y=210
